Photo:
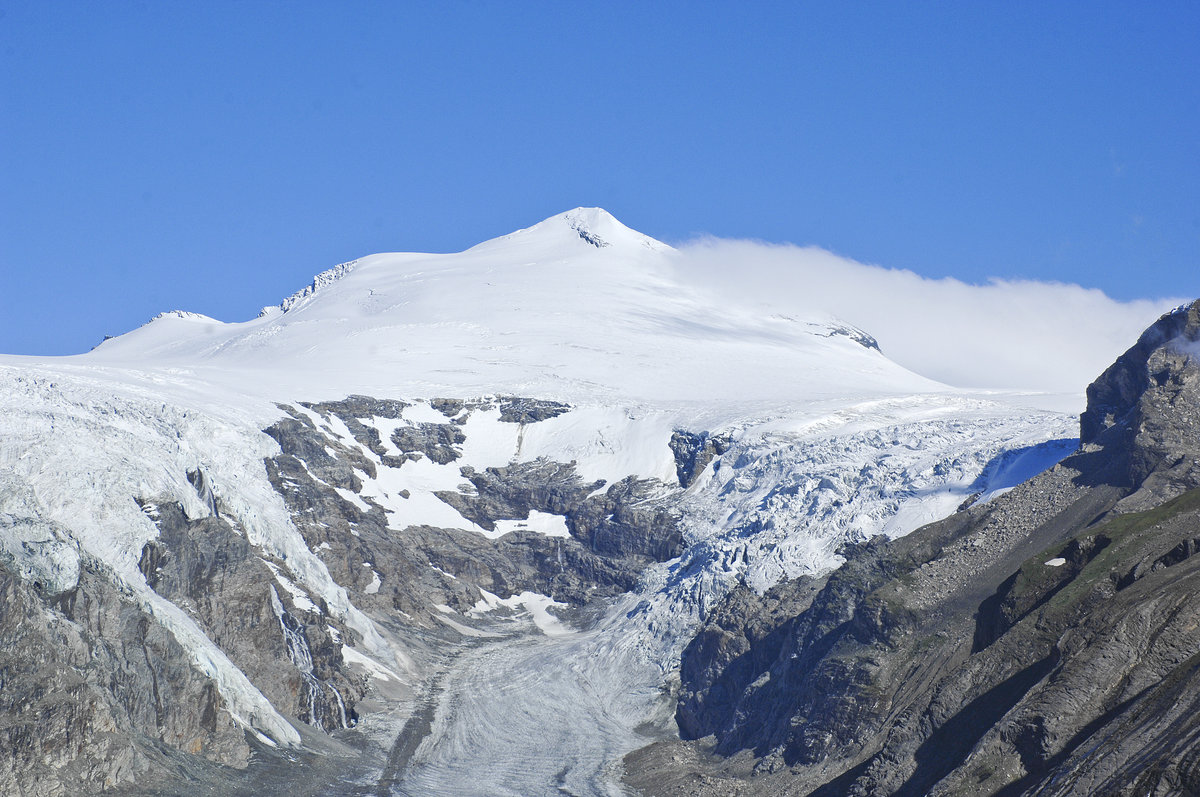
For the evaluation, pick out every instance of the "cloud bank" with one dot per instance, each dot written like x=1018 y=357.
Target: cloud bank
x=1008 y=335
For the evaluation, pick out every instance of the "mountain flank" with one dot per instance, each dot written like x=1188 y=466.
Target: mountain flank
x=1043 y=642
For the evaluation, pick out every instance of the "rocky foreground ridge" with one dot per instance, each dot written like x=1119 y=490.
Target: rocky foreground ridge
x=1045 y=642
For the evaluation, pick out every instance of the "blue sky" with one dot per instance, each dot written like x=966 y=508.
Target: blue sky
x=213 y=156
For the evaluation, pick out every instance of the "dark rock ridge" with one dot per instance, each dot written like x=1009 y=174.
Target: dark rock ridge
x=857 y=335
x=1044 y=642
x=441 y=442
x=1120 y=396
x=1144 y=411
x=528 y=410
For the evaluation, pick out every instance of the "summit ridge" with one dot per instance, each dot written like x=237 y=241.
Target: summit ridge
x=574 y=307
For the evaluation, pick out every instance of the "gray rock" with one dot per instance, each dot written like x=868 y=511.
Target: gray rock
x=693 y=451
x=95 y=694
x=213 y=573
x=615 y=534
x=529 y=410
x=441 y=442
x=857 y=335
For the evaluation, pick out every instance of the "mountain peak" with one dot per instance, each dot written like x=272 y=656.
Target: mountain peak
x=588 y=222
x=591 y=226
x=1141 y=413
x=1160 y=353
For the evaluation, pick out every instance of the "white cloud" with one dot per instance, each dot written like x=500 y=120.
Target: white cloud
x=1019 y=335
x=1191 y=348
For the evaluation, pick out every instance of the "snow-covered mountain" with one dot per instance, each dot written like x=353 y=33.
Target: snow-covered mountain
x=470 y=505
x=574 y=308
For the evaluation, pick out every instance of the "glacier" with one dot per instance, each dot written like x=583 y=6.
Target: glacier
x=826 y=442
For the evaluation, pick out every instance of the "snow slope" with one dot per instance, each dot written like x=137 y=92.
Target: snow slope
x=831 y=442
x=542 y=312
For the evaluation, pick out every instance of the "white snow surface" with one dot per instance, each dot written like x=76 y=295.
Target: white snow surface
x=832 y=442
x=541 y=312
x=535 y=605
x=541 y=522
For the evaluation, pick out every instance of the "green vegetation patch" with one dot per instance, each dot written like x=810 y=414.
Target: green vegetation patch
x=1122 y=534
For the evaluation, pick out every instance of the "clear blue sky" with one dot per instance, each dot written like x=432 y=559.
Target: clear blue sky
x=213 y=156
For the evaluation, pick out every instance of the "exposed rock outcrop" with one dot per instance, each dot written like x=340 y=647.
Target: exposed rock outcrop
x=96 y=695
x=213 y=573
x=1143 y=413
x=693 y=451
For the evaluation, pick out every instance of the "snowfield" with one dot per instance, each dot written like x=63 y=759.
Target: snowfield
x=830 y=442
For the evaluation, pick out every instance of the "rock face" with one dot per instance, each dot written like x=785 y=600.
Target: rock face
x=1043 y=642
x=206 y=568
x=1144 y=411
x=96 y=695
x=693 y=451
